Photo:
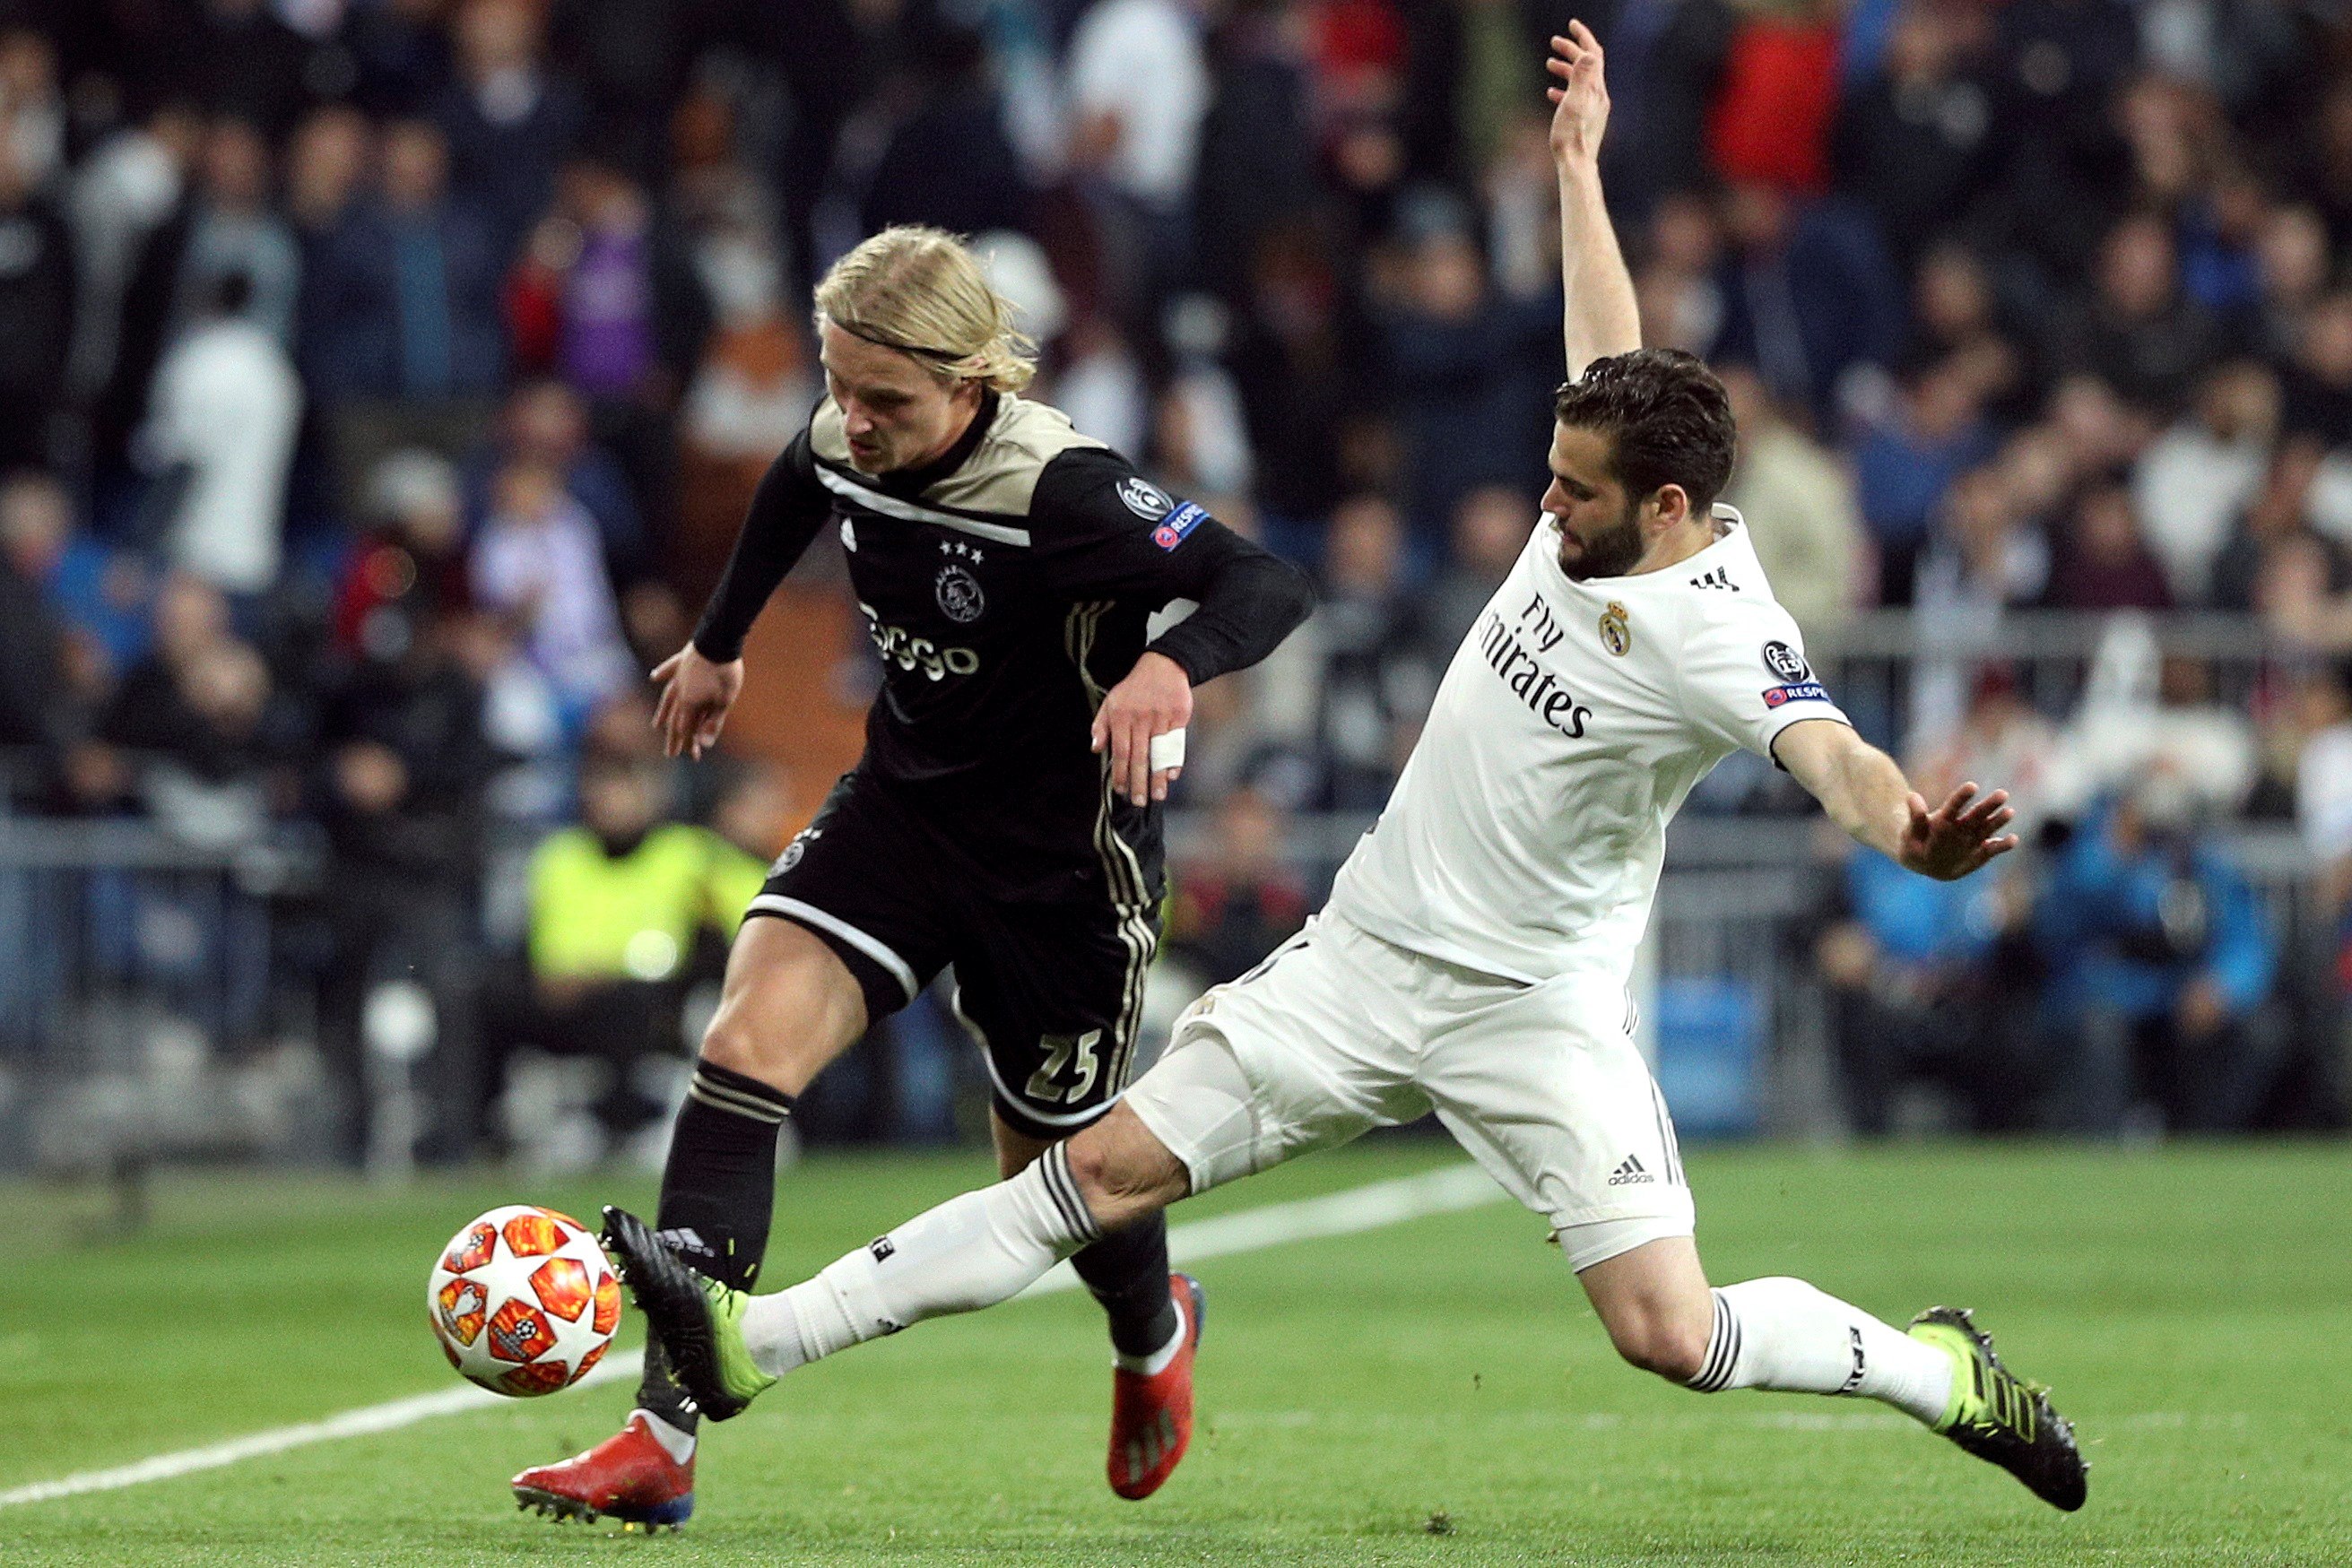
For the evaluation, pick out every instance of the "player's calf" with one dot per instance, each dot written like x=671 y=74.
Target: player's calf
x=1661 y=1343
x=1778 y=1334
x=1654 y=1299
x=1126 y=1271
x=1782 y=1334
x=968 y=1252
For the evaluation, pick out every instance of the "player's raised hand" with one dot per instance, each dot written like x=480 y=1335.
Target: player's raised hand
x=1956 y=837
x=1579 y=92
x=1154 y=700
x=695 y=697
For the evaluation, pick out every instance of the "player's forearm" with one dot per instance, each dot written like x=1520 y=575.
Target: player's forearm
x=1865 y=793
x=1600 y=315
x=1251 y=601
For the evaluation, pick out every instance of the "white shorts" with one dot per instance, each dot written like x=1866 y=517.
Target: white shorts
x=1338 y=1032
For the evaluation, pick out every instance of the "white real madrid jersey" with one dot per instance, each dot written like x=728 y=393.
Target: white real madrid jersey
x=1525 y=836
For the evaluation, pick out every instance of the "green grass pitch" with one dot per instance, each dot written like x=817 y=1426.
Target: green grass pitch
x=1432 y=1393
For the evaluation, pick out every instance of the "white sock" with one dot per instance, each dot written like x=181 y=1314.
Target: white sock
x=1783 y=1333
x=970 y=1252
x=1155 y=1364
x=675 y=1441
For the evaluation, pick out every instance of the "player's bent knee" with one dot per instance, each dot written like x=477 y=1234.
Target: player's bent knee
x=786 y=1053
x=1662 y=1346
x=734 y=1042
x=1654 y=1302
x=1123 y=1172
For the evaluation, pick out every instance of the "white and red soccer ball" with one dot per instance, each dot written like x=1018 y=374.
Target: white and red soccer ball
x=523 y=1300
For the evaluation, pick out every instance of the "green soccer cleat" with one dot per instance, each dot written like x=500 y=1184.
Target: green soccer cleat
x=2001 y=1419
x=699 y=1319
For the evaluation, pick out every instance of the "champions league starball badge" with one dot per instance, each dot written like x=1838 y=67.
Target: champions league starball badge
x=1144 y=498
x=1786 y=663
x=794 y=851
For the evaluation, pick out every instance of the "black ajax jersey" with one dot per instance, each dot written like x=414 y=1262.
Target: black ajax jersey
x=1007 y=587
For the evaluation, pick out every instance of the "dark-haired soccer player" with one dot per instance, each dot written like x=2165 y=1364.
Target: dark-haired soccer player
x=1005 y=817
x=1474 y=955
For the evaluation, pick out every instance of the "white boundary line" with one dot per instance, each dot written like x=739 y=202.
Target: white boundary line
x=1444 y=1191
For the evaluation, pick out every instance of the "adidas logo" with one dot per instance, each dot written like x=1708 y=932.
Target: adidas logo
x=1631 y=1173
x=685 y=1239
x=1154 y=1443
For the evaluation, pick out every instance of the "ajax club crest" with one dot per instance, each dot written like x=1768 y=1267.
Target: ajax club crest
x=958 y=594
x=1616 y=632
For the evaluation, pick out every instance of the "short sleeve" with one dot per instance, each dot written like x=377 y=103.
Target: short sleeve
x=1745 y=677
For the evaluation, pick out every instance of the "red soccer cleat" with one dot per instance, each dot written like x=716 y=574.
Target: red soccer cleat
x=629 y=1476
x=1152 y=1416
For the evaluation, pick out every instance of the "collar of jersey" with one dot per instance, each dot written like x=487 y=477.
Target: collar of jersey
x=1640 y=581
x=909 y=483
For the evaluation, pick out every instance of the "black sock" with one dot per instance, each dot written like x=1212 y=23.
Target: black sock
x=1128 y=1272
x=718 y=1194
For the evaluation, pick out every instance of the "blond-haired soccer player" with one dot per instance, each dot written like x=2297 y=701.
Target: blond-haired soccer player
x=1474 y=954
x=1005 y=817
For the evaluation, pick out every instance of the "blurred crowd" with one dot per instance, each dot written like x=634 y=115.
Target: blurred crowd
x=382 y=382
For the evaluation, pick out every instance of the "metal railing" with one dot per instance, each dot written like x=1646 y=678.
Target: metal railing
x=145 y=1005
x=1894 y=669
x=156 y=1001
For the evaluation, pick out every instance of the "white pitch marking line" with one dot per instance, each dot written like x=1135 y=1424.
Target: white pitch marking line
x=1385 y=1203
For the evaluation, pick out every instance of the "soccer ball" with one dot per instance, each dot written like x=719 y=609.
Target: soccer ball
x=523 y=1300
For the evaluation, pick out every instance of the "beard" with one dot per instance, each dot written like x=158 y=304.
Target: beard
x=1613 y=552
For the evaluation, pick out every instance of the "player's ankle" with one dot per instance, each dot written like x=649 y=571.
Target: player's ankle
x=677 y=1442
x=1152 y=1363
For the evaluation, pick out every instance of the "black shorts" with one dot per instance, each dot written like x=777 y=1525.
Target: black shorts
x=1052 y=993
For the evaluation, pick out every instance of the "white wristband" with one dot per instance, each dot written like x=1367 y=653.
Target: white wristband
x=1168 y=750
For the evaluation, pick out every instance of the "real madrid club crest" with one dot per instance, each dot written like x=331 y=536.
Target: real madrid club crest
x=1616 y=632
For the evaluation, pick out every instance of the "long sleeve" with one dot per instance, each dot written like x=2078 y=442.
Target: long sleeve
x=1115 y=535
x=786 y=511
x=1248 y=603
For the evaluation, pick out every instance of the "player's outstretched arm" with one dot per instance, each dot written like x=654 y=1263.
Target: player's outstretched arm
x=1865 y=793
x=1600 y=316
